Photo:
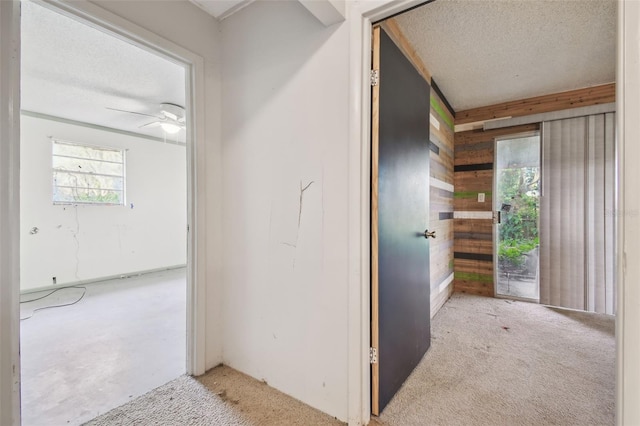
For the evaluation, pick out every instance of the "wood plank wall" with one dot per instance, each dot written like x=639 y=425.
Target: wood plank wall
x=473 y=226
x=474 y=151
x=596 y=95
x=441 y=197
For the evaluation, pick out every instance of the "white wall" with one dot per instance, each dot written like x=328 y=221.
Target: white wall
x=628 y=215
x=9 y=213
x=187 y=26
x=87 y=242
x=285 y=127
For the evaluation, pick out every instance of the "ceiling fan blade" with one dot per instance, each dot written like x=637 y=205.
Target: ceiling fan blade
x=152 y=124
x=133 y=112
x=170 y=115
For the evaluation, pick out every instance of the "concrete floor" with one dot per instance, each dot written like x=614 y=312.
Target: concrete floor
x=124 y=338
x=518 y=287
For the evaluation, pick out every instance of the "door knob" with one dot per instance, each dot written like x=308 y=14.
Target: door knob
x=428 y=234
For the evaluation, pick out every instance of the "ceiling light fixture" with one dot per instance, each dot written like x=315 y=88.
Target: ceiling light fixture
x=170 y=128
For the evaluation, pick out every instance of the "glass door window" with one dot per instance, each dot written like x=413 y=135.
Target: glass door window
x=517 y=203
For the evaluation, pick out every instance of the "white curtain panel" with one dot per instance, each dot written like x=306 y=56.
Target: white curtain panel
x=577 y=213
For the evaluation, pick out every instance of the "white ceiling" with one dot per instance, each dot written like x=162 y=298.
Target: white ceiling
x=74 y=71
x=479 y=53
x=486 y=52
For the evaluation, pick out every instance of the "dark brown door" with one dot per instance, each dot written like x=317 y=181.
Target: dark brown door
x=400 y=292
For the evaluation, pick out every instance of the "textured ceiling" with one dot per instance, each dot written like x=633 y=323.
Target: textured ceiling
x=486 y=52
x=73 y=71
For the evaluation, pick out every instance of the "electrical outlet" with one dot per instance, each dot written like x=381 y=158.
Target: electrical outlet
x=54 y=280
x=481 y=197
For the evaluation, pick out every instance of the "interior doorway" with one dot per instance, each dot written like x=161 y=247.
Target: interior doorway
x=475 y=186
x=517 y=216
x=105 y=196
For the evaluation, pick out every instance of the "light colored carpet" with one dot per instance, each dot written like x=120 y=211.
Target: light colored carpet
x=500 y=362
x=223 y=396
x=491 y=362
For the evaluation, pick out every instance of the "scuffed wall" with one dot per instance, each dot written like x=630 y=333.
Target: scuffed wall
x=285 y=204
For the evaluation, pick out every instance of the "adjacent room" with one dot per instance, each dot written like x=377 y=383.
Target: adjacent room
x=522 y=181
x=104 y=219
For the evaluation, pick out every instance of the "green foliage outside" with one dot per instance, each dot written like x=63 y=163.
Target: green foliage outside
x=518 y=187
x=103 y=198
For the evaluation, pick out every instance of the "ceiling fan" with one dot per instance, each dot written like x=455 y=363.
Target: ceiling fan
x=171 y=117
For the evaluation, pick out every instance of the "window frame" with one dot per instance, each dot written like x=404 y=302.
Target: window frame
x=54 y=185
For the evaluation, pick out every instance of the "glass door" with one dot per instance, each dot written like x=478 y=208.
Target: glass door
x=516 y=216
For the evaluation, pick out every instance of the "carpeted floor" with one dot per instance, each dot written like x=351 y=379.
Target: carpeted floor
x=501 y=362
x=223 y=396
x=491 y=362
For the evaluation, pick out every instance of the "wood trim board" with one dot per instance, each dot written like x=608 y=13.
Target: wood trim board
x=375 y=143
x=392 y=28
x=596 y=95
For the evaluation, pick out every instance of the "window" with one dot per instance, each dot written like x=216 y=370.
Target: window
x=87 y=174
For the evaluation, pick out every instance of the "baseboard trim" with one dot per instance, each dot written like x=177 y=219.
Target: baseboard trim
x=445 y=289
x=101 y=279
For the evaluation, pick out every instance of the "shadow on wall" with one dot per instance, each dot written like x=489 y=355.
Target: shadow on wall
x=275 y=57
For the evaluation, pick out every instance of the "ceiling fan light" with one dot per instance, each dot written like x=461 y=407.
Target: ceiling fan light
x=170 y=128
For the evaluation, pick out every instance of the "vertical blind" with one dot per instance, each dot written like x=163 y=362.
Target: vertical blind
x=577 y=207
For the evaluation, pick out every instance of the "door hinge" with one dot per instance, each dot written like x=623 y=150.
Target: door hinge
x=374 y=76
x=373 y=356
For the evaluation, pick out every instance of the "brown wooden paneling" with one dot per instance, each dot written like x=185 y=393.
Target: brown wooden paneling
x=468 y=245
x=477 y=136
x=472 y=204
x=479 y=156
x=441 y=201
x=473 y=266
x=473 y=178
x=443 y=133
x=442 y=166
x=476 y=226
x=473 y=287
x=445 y=128
x=477 y=180
x=476 y=147
x=441 y=261
x=572 y=99
x=445 y=159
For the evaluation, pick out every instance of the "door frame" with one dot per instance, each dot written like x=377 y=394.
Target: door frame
x=376 y=31
x=104 y=20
